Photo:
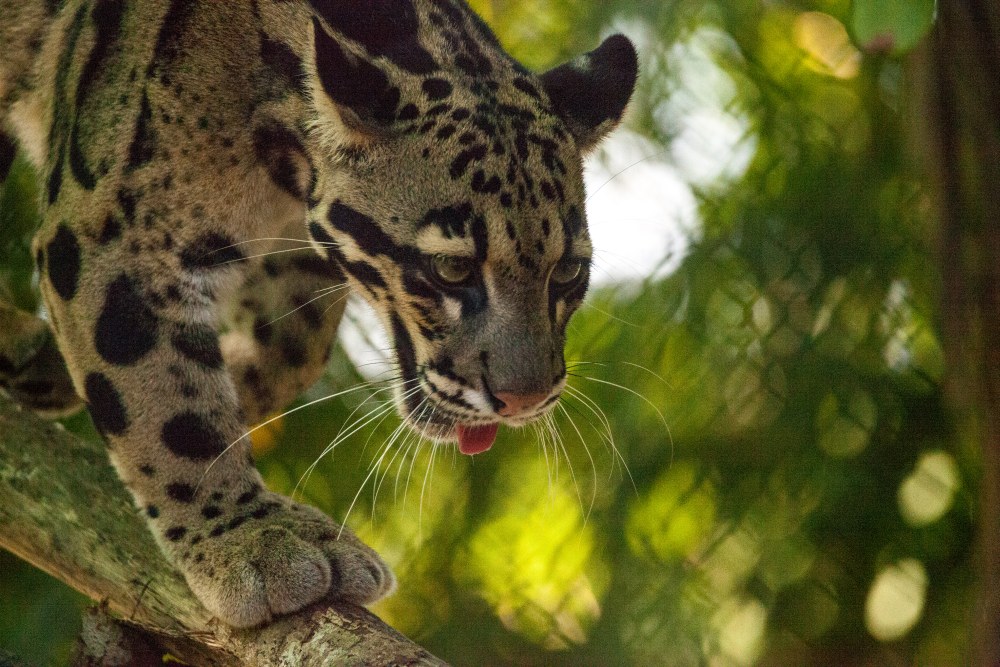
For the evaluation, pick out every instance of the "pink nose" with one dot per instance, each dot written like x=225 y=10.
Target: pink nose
x=517 y=404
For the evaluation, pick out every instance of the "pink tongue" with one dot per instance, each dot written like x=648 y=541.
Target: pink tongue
x=475 y=439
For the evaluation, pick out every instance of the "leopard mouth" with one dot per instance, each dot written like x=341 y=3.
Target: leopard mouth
x=472 y=438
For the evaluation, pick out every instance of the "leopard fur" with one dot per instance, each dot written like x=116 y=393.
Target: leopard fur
x=429 y=170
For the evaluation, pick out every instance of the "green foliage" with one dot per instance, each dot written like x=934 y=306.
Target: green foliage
x=756 y=464
x=896 y=26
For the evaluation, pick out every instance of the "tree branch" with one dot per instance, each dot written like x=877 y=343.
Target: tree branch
x=63 y=509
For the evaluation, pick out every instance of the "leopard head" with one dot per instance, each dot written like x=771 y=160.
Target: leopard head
x=450 y=192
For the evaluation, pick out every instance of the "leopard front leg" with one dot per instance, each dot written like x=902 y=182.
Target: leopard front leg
x=139 y=334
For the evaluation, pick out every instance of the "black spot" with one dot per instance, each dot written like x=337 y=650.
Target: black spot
x=168 y=42
x=263 y=332
x=237 y=522
x=176 y=534
x=293 y=351
x=386 y=28
x=485 y=185
x=360 y=270
x=308 y=311
x=480 y=237
x=461 y=163
x=367 y=234
x=211 y=250
x=192 y=436
x=182 y=493
x=353 y=82
x=282 y=154
x=317 y=266
x=106 y=17
x=126 y=328
x=211 y=511
x=152 y=511
x=63 y=264
x=127 y=200
x=366 y=274
x=111 y=230
x=148 y=470
x=61 y=106
x=283 y=62
x=526 y=87
x=437 y=89
x=405 y=353
x=451 y=220
x=322 y=238
x=144 y=140
x=105 y=405
x=198 y=343
x=248 y=496
x=409 y=112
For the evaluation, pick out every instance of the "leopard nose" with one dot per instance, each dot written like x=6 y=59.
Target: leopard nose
x=517 y=404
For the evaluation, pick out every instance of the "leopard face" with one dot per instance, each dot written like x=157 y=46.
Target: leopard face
x=457 y=208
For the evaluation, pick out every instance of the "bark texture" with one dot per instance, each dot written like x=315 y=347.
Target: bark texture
x=959 y=78
x=63 y=509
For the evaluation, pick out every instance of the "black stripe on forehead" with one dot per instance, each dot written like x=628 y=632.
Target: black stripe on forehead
x=451 y=220
x=573 y=226
x=386 y=28
x=480 y=237
x=368 y=235
x=362 y=271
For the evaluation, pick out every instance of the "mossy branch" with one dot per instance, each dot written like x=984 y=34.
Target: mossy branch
x=63 y=509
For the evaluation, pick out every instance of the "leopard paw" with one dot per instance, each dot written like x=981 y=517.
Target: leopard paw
x=254 y=569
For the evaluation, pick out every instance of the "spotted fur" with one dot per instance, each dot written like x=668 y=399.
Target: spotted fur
x=433 y=173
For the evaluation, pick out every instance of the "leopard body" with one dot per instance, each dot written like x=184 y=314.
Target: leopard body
x=180 y=145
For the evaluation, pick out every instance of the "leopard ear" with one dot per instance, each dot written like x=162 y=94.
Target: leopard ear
x=591 y=92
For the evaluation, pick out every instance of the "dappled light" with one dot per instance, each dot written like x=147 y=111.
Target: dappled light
x=896 y=600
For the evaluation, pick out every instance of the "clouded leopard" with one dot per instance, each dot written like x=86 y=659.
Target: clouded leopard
x=428 y=169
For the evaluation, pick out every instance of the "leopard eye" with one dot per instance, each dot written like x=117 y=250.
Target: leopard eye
x=566 y=271
x=452 y=270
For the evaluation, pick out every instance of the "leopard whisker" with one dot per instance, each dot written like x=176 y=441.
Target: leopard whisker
x=315 y=298
x=644 y=369
x=593 y=466
x=277 y=417
x=411 y=439
x=606 y=433
x=372 y=470
x=262 y=254
x=643 y=398
x=345 y=432
x=558 y=442
x=400 y=431
x=619 y=173
x=615 y=318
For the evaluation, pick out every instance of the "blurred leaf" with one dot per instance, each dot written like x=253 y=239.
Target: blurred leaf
x=892 y=26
